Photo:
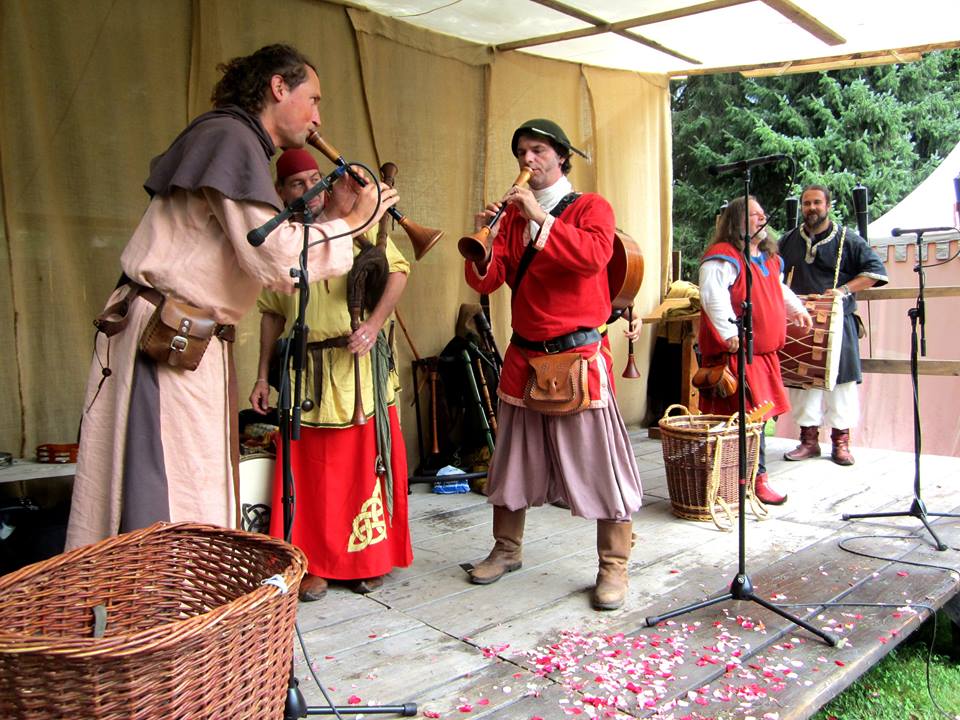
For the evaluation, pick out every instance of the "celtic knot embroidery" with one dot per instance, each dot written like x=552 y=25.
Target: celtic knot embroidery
x=369 y=526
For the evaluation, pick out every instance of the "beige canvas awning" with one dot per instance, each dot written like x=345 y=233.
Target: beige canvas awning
x=678 y=37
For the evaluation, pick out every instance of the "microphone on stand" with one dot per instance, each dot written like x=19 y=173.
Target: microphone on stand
x=897 y=232
x=256 y=236
x=741 y=165
x=792 y=205
x=860 y=208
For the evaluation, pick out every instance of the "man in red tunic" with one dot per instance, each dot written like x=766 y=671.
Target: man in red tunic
x=722 y=292
x=583 y=459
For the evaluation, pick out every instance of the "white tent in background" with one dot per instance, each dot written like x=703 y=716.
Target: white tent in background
x=931 y=204
x=887 y=400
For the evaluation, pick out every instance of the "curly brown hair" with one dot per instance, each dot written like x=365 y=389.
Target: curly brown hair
x=729 y=228
x=246 y=79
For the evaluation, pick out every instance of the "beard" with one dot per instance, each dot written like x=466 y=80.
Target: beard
x=814 y=219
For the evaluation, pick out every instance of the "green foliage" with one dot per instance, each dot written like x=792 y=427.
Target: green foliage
x=896 y=687
x=886 y=127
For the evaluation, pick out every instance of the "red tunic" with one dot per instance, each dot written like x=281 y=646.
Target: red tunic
x=565 y=287
x=769 y=332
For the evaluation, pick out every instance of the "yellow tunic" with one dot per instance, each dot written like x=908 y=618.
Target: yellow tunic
x=328 y=317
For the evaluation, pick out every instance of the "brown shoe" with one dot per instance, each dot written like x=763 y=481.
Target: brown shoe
x=312 y=588
x=368 y=585
x=841 y=447
x=809 y=445
x=765 y=492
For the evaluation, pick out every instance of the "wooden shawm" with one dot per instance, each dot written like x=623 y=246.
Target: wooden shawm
x=530 y=645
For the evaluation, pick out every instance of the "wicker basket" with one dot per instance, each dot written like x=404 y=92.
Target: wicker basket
x=191 y=632
x=701 y=459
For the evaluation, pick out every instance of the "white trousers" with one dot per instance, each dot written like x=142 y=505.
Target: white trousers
x=838 y=408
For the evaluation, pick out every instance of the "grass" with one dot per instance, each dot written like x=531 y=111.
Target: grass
x=896 y=687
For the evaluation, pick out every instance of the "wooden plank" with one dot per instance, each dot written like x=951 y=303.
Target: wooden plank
x=622 y=24
x=943 y=368
x=599 y=24
x=893 y=293
x=800 y=17
x=876 y=57
x=24 y=470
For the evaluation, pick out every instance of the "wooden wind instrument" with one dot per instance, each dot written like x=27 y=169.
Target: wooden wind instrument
x=630 y=371
x=475 y=247
x=359 y=416
x=422 y=238
x=432 y=372
x=485 y=396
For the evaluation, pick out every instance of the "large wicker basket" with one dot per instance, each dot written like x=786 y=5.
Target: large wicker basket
x=701 y=459
x=191 y=632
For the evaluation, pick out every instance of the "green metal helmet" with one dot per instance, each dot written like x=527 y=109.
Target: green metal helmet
x=548 y=129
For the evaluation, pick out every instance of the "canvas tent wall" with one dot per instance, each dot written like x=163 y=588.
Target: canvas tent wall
x=89 y=97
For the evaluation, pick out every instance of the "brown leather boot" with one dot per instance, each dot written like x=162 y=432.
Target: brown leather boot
x=765 y=492
x=614 y=540
x=841 y=447
x=809 y=445
x=506 y=554
x=312 y=588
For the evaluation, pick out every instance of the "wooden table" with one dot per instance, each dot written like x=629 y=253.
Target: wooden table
x=23 y=470
x=689 y=324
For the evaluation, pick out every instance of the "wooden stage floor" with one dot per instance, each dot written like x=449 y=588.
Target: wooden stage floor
x=530 y=646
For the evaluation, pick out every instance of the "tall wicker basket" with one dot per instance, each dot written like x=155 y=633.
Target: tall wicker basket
x=701 y=458
x=191 y=632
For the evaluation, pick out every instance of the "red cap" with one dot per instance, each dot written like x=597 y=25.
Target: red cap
x=293 y=161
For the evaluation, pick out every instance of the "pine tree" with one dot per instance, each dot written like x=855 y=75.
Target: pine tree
x=887 y=127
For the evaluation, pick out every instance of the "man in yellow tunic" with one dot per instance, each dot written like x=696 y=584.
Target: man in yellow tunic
x=350 y=519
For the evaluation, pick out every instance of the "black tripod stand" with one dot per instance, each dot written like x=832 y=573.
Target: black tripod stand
x=742 y=587
x=917 y=315
x=295 y=347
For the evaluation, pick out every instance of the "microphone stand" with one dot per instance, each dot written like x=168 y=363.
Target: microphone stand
x=290 y=415
x=742 y=587
x=917 y=314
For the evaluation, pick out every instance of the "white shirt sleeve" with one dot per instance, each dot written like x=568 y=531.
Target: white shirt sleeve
x=716 y=279
x=791 y=303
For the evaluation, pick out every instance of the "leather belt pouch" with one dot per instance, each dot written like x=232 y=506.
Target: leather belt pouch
x=178 y=334
x=715 y=381
x=557 y=384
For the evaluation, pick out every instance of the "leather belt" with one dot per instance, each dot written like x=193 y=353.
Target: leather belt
x=561 y=343
x=114 y=318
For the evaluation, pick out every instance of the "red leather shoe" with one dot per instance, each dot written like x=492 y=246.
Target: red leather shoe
x=766 y=493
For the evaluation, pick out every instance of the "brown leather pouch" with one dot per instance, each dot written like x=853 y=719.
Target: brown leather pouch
x=557 y=384
x=715 y=381
x=178 y=334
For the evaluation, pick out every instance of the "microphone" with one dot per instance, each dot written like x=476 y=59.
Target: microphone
x=741 y=165
x=861 y=209
x=897 y=232
x=257 y=236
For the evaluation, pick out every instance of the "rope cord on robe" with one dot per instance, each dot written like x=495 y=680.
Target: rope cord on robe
x=380 y=361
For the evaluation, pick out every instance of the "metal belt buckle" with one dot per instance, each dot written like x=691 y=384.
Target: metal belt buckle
x=179 y=343
x=551 y=347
